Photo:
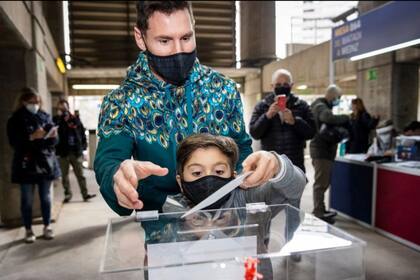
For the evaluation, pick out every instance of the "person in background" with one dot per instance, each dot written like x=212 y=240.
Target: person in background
x=33 y=137
x=413 y=129
x=72 y=143
x=384 y=141
x=323 y=150
x=284 y=131
x=361 y=123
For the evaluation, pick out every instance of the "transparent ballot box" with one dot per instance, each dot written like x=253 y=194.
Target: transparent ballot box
x=285 y=242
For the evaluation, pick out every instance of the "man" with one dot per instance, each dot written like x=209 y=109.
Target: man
x=323 y=150
x=70 y=147
x=284 y=131
x=166 y=96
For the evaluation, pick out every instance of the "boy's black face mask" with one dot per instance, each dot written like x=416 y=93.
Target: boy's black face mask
x=200 y=189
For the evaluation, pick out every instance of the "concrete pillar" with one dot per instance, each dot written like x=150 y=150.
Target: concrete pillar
x=376 y=92
x=37 y=78
x=258 y=37
x=251 y=96
x=392 y=91
x=20 y=67
x=405 y=85
x=13 y=78
x=53 y=12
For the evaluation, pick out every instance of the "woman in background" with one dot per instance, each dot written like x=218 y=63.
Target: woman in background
x=33 y=137
x=361 y=123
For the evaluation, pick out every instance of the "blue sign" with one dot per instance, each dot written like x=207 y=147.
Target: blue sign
x=386 y=26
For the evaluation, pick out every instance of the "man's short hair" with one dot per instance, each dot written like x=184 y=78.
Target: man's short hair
x=145 y=10
x=205 y=140
x=334 y=89
x=282 y=72
x=63 y=101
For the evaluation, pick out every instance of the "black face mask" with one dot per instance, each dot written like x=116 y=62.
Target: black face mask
x=174 y=68
x=282 y=90
x=200 y=189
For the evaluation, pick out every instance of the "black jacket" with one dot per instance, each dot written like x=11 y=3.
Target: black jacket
x=71 y=134
x=359 y=133
x=33 y=160
x=322 y=111
x=281 y=137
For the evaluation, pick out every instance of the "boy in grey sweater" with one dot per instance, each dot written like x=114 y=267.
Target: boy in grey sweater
x=206 y=162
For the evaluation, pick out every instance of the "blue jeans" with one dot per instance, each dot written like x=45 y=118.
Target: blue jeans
x=26 y=200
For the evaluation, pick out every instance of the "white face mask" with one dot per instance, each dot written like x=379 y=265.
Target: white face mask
x=33 y=108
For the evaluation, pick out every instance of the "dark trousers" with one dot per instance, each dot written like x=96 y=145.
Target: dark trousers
x=76 y=162
x=27 y=198
x=323 y=168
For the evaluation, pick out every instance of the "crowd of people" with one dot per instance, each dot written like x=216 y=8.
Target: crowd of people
x=286 y=130
x=44 y=147
x=167 y=99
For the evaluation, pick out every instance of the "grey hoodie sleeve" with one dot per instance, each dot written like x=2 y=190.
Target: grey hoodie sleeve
x=284 y=189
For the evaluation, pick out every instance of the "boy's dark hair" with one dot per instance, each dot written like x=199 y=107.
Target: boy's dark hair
x=145 y=9
x=205 y=140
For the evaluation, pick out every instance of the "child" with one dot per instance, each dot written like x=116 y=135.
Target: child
x=206 y=162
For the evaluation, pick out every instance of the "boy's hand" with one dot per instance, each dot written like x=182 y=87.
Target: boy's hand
x=265 y=166
x=126 y=181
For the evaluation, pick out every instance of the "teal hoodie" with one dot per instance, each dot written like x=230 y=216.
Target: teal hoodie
x=146 y=118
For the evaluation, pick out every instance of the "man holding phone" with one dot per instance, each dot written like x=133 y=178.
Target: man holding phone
x=282 y=121
x=72 y=142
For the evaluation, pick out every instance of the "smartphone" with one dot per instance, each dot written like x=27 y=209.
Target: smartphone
x=52 y=130
x=281 y=102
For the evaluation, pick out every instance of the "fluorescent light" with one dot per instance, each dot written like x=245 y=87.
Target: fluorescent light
x=93 y=87
x=385 y=50
x=238 y=34
x=66 y=25
x=302 y=87
x=348 y=78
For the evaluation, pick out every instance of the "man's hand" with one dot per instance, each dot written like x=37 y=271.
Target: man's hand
x=272 y=110
x=126 y=181
x=288 y=117
x=265 y=166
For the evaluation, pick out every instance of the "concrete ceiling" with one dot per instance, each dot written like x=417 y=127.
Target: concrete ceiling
x=101 y=33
